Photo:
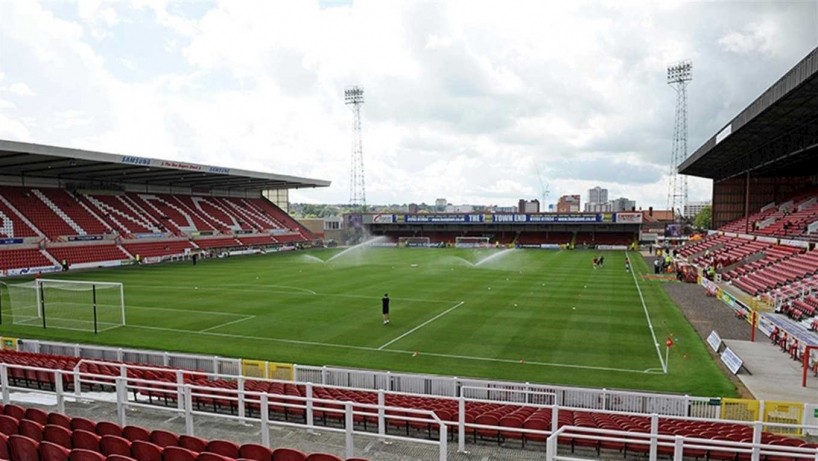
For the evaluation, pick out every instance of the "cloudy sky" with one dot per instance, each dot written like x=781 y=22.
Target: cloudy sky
x=464 y=99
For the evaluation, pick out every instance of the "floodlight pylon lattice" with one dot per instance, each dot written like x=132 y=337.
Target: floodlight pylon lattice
x=679 y=75
x=354 y=97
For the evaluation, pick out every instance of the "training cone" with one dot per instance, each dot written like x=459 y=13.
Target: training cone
x=522 y=361
x=415 y=354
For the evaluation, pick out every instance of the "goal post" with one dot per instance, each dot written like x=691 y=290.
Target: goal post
x=472 y=242
x=408 y=242
x=66 y=304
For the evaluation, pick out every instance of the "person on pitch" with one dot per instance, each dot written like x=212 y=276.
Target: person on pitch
x=385 y=308
x=596 y=262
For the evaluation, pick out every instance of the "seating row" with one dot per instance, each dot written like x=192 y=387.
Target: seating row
x=34 y=435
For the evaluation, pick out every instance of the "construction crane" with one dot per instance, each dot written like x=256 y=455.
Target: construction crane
x=543 y=188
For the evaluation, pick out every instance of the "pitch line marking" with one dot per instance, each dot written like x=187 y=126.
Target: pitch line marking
x=392 y=351
x=249 y=317
x=650 y=323
x=423 y=324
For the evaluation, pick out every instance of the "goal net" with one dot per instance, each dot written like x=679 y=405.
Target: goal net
x=472 y=242
x=408 y=242
x=64 y=304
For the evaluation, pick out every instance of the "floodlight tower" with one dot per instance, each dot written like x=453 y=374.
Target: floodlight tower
x=354 y=97
x=679 y=74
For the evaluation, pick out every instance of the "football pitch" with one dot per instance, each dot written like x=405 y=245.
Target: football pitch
x=524 y=315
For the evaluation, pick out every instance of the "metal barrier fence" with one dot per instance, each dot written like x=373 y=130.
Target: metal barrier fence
x=187 y=395
x=211 y=364
x=190 y=398
x=677 y=447
x=595 y=399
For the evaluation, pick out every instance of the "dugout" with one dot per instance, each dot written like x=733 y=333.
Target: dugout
x=767 y=153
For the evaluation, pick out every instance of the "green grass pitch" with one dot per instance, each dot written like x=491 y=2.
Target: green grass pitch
x=523 y=315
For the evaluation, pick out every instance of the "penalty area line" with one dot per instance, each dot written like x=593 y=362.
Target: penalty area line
x=249 y=317
x=423 y=324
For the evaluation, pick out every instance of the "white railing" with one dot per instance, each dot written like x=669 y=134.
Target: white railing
x=676 y=446
x=189 y=394
x=596 y=399
x=421 y=384
x=190 y=397
x=213 y=364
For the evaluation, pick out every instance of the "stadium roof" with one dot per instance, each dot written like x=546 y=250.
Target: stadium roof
x=41 y=161
x=775 y=135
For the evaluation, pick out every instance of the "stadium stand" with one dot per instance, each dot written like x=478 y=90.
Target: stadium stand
x=503 y=416
x=11 y=225
x=78 y=254
x=31 y=205
x=42 y=217
x=23 y=258
x=158 y=248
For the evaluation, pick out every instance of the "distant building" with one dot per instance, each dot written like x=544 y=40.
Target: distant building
x=413 y=208
x=459 y=208
x=504 y=209
x=597 y=195
x=440 y=204
x=568 y=204
x=694 y=208
x=528 y=206
x=620 y=204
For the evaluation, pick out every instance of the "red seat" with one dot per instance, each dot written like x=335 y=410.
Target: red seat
x=119 y=458
x=146 y=451
x=85 y=440
x=224 y=448
x=4 y=447
x=83 y=424
x=164 y=438
x=106 y=428
x=207 y=456
x=85 y=455
x=9 y=425
x=58 y=435
x=114 y=445
x=193 y=443
x=59 y=419
x=16 y=412
x=323 y=457
x=288 y=454
x=37 y=415
x=255 y=452
x=134 y=433
x=23 y=448
x=178 y=454
x=31 y=430
x=53 y=452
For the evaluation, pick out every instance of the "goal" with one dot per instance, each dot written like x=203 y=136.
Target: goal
x=408 y=242
x=64 y=304
x=472 y=242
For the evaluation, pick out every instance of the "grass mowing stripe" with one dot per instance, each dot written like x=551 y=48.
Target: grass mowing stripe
x=647 y=316
x=423 y=324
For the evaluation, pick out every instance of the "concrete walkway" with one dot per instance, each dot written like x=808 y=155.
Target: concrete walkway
x=774 y=375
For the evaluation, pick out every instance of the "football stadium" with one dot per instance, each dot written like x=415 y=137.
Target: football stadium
x=165 y=310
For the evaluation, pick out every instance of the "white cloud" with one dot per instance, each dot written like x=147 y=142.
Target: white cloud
x=757 y=38
x=20 y=89
x=463 y=98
